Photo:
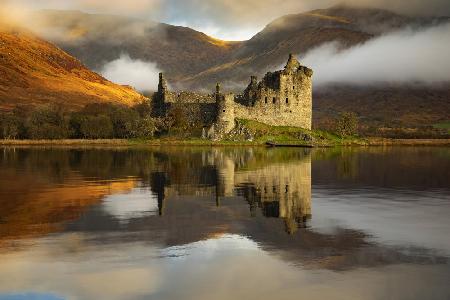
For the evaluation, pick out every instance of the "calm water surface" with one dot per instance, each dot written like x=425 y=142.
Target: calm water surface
x=225 y=223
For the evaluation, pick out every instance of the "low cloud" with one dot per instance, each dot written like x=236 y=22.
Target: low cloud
x=129 y=7
x=226 y=19
x=141 y=75
x=404 y=56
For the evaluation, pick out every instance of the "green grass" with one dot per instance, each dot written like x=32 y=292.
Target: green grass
x=443 y=125
x=262 y=133
x=292 y=135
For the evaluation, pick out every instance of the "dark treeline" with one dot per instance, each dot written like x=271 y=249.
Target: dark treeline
x=94 y=121
x=97 y=121
x=107 y=121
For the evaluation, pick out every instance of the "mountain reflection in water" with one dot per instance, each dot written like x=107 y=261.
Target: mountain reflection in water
x=142 y=218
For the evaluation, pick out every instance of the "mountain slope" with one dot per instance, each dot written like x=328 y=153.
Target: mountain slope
x=33 y=71
x=197 y=61
x=398 y=106
x=299 y=33
x=192 y=60
x=98 y=39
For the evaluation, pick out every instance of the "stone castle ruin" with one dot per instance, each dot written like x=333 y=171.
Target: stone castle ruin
x=281 y=98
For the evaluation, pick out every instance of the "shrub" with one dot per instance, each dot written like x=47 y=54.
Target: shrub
x=48 y=122
x=144 y=109
x=124 y=122
x=178 y=116
x=75 y=122
x=144 y=128
x=10 y=126
x=96 y=127
x=346 y=124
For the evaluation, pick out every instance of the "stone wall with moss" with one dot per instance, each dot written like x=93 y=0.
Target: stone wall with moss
x=281 y=98
x=189 y=97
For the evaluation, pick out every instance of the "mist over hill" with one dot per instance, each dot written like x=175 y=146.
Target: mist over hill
x=339 y=43
x=193 y=60
x=33 y=72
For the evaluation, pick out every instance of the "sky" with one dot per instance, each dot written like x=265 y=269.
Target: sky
x=224 y=19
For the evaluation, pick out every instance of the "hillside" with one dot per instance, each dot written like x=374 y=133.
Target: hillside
x=33 y=71
x=197 y=61
x=98 y=39
x=397 y=106
x=193 y=60
x=299 y=33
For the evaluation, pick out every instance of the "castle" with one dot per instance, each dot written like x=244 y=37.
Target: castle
x=281 y=98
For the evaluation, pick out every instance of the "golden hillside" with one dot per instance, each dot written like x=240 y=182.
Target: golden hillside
x=33 y=71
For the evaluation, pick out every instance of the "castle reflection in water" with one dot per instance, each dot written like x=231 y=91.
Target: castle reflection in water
x=277 y=188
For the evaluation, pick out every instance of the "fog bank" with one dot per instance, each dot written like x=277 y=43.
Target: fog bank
x=403 y=56
x=141 y=75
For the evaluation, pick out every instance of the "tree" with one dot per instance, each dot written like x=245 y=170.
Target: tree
x=347 y=124
x=96 y=127
x=144 y=109
x=75 y=122
x=177 y=120
x=10 y=126
x=48 y=122
x=144 y=128
x=124 y=122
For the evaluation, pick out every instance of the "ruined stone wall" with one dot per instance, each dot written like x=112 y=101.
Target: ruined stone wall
x=189 y=97
x=282 y=99
x=201 y=114
x=199 y=109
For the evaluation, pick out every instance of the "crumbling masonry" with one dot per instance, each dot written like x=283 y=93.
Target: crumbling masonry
x=281 y=98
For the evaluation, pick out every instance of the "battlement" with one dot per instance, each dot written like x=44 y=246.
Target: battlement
x=281 y=98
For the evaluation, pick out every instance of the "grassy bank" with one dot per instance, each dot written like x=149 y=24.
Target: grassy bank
x=407 y=142
x=246 y=133
x=200 y=142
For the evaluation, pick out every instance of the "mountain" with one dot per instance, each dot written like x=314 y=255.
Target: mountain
x=33 y=71
x=389 y=105
x=193 y=60
x=98 y=39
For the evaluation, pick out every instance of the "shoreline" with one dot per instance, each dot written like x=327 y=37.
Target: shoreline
x=376 y=142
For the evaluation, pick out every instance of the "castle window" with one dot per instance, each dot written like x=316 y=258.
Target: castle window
x=287 y=100
x=223 y=110
x=274 y=100
x=293 y=87
x=265 y=100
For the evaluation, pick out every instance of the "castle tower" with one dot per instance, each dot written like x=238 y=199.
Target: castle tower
x=295 y=93
x=292 y=64
x=225 y=114
x=218 y=92
x=162 y=85
x=250 y=93
x=218 y=89
x=159 y=100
